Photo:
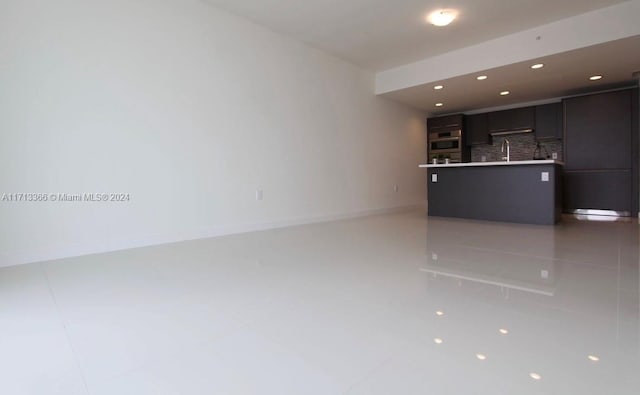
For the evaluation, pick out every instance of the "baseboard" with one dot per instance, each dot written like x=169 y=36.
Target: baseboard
x=99 y=247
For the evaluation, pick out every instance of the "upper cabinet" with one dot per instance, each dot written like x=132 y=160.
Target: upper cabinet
x=513 y=119
x=477 y=130
x=549 y=121
x=447 y=122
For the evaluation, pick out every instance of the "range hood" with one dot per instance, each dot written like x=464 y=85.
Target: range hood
x=508 y=132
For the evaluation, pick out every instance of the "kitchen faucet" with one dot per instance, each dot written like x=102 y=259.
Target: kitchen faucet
x=505 y=143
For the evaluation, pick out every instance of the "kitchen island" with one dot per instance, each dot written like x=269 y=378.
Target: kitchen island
x=517 y=191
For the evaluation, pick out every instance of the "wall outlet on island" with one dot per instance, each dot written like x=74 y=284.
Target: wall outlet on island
x=554 y=155
x=544 y=176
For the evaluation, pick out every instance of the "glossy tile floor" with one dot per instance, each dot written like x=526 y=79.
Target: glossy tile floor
x=393 y=304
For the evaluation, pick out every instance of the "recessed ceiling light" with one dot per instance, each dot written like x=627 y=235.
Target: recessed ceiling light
x=481 y=77
x=503 y=331
x=437 y=340
x=438 y=87
x=595 y=77
x=537 y=66
x=535 y=376
x=440 y=312
x=593 y=358
x=504 y=93
x=481 y=357
x=442 y=17
x=439 y=104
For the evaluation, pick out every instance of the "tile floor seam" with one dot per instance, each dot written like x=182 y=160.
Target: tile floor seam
x=165 y=358
x=297 y=352
x=376 y=368
x=64 y=328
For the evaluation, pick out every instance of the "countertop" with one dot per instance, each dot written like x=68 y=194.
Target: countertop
x=500 y=163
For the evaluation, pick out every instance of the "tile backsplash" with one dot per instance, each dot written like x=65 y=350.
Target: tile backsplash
x=522 y=148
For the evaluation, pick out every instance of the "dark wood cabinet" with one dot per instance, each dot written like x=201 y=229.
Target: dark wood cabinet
x=598 y=131
x=499 y=120
x=513 y=119
x=523 y=118
x=549 y=121
x=477 y=130
x=598 y=189
x=601 y=152
x=497 y=193
x=446 y=122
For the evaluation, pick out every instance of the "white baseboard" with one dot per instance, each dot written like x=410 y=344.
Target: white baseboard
x=69 y=251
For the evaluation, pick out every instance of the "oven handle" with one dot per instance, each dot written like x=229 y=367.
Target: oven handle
x=444 y=151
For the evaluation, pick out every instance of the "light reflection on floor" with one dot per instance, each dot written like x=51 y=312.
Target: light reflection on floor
x=393 y=304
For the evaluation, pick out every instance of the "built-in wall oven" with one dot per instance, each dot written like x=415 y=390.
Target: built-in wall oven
x=445 y=145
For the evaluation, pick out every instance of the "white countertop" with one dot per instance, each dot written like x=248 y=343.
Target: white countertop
x=501 y=163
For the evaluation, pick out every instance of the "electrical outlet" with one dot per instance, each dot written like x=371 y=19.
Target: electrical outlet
x=483 y=158
x=434 y=177
x=259 y=194
x=395 y=188
x=554 y=155
x=544 y=176
x=544 y=274
x=434 y=257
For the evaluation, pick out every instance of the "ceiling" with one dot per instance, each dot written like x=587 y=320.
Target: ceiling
x=382 y=34
x=563 y=74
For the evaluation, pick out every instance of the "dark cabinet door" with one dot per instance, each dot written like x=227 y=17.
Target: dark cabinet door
x=514 y=119
x=523 y=118
x=598 y=189
x=477 y=130
x=447 y=122
x=549 y=121
x=499 y=121
x=598 y=131
x=600 y=147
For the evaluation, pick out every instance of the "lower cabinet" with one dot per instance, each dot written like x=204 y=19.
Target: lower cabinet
x=598 y=189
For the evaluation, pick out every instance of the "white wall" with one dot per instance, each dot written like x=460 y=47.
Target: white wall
x=190 y=110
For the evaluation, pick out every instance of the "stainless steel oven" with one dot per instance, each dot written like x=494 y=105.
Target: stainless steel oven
x=445 y=145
